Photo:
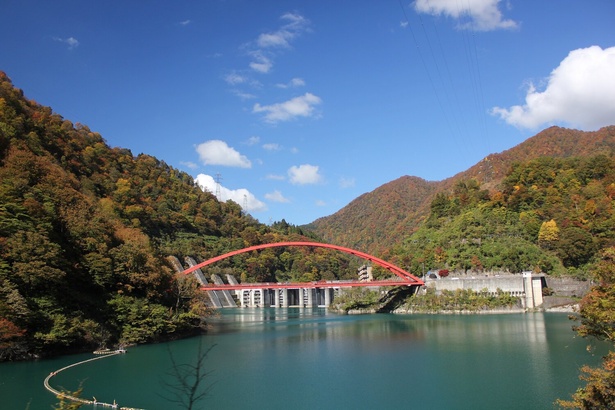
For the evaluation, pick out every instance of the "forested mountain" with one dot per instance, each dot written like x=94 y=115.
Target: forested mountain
x=377 y=221
x=372 y=220
x=551 y=215
x=85 y=230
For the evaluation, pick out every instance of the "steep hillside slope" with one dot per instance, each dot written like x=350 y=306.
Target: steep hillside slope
x=377 y=220
x=85 y=230
x=552 y=215
x=553 y=142
x=368 y=220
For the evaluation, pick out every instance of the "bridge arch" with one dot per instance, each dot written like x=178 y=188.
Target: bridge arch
x=406 y=276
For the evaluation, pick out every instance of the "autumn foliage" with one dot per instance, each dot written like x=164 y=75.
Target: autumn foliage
x=11 y=340
x=561 y=174
x=597 y=311
x=86 y=229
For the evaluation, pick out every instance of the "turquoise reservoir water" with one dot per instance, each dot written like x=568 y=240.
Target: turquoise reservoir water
x=312 y=359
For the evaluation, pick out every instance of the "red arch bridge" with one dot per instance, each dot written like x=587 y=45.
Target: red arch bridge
x=316 y=293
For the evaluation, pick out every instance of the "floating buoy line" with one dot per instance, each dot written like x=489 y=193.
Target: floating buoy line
x=102 y=354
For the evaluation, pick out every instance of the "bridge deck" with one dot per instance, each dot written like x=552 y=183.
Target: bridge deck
x=309 y=285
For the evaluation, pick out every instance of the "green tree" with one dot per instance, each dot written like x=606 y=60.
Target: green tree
x=440 y=205
x=575 y=246
x=597 y=311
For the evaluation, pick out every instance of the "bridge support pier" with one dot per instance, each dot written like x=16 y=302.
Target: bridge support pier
x=297 y=297
x=269 y=297
x=254 y=297
x=328 y=296
x=284 y=298
x=309 y=299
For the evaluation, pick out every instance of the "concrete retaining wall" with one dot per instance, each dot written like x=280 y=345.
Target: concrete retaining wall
x=568 y=286
x=510 y=284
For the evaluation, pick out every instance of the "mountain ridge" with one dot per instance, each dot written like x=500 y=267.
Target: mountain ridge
x=360 y=225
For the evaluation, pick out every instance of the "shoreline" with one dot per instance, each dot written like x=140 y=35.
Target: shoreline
x=570 y=308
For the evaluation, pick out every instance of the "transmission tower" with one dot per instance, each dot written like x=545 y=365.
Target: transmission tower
x=218 y=179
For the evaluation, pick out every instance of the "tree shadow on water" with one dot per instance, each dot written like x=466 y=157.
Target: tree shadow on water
x=187 y=383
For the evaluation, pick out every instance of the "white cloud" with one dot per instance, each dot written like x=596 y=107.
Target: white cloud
x=346 y=182
x=296 y=24
x=302 y=106
x=241 y=196
x=261 y=63
x=263 y=51
x=189 y=164
x=483 y=15
x=276 y=196
x=266 y=44
x=185 y=22
x=275 y=177
x=206 y=183
x=254 y=140
x=580 y=92
x=304 y=174
x=296 y=21
x=235 y=79
x=320 y=202
x=72 y=42
x=272 y=147
x=243 y=95
x=217 y=152
x=277 y=39
x=295 y=82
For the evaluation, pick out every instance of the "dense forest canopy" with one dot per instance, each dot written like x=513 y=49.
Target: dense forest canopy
x=381 y=219
x=85 y=230
x=550 y=215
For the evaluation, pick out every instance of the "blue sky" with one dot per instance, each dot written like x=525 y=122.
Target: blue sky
x=298 y=107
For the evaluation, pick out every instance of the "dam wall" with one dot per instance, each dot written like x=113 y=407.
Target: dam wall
x=526 y=286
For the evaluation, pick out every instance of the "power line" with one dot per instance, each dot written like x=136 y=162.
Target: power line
x=481 y=97
x=455 y=118
x=451 y=85
x=433 y=86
